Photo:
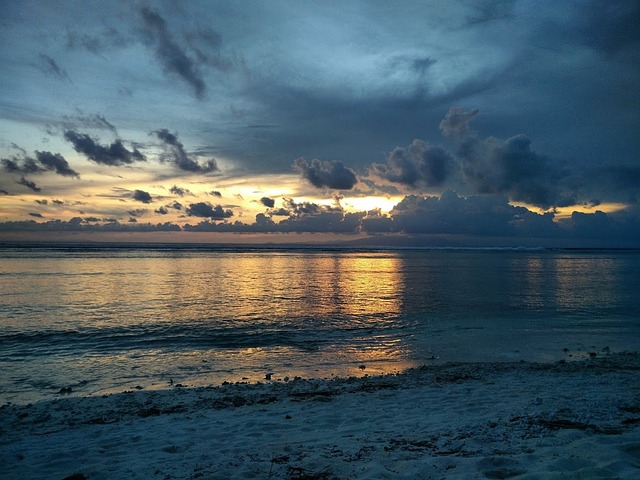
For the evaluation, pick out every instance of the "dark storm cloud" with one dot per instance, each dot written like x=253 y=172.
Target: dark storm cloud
x=420 y=164
x=599 y=225
x=610 y=26
x=332 y=221
x=268 y=202
x=57 y=163
x=171 y=55
x=178 y=155
x=142 y=196
x=323 y=173
x=115 y=154
x=624 y=179
x=29 y=184
x=206 y=210
x=359 y=126
x=474 y=215
x=512 y=167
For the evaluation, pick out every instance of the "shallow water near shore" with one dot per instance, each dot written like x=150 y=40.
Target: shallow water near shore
x=93 y=319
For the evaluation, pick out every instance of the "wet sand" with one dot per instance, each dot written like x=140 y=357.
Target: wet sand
x=577 y=419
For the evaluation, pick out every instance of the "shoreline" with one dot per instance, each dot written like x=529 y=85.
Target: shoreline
x=465 y=420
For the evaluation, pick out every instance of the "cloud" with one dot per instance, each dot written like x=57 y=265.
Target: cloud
x=44 y=161
x=421 y=164
x=142 y=196
x=206 y=210
x=97 y=44
x=138 y=212
x=49 y=66
x=456 y=121
x=303 y=217
x=491 y=11
x=623 y=179
x=512 y=167
x=29 y=184
x=57 y=163
x=178 y=155
x=205 y=43
x=324 y=220
x=77 y=224
x=610 y=27
x=114 y=155
x=280 y=212
x=268 y=202
x=487 y=215
x=323 y=173
x=93 y=121
x=171 y=55
x=29 y=165
x=181 y=192
x=164 y=210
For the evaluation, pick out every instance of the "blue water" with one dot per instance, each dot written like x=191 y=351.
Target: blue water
x=110 y=318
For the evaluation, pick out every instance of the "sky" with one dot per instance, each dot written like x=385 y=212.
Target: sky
x=475 y=119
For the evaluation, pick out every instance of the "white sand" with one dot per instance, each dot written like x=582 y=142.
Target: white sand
x=499 y=420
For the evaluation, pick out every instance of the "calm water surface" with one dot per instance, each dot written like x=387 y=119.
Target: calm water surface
x=110 y=319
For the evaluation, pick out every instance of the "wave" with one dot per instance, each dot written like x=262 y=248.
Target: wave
x=173 y=337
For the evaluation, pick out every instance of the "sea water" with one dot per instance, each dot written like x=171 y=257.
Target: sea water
x=91 y=319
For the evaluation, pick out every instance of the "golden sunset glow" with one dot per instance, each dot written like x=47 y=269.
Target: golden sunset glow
x=561 y=213
x=366 y=204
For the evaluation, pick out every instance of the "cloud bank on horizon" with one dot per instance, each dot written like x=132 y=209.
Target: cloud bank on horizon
x=482 y=118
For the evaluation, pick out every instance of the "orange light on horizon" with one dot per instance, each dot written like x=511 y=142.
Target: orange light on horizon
x=562 y=213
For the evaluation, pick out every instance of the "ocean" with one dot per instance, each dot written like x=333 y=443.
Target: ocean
x=96 y=319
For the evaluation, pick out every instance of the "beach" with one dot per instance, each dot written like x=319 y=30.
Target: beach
x=567 y=419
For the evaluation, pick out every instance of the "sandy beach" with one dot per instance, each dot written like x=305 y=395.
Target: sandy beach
x=578 y=419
